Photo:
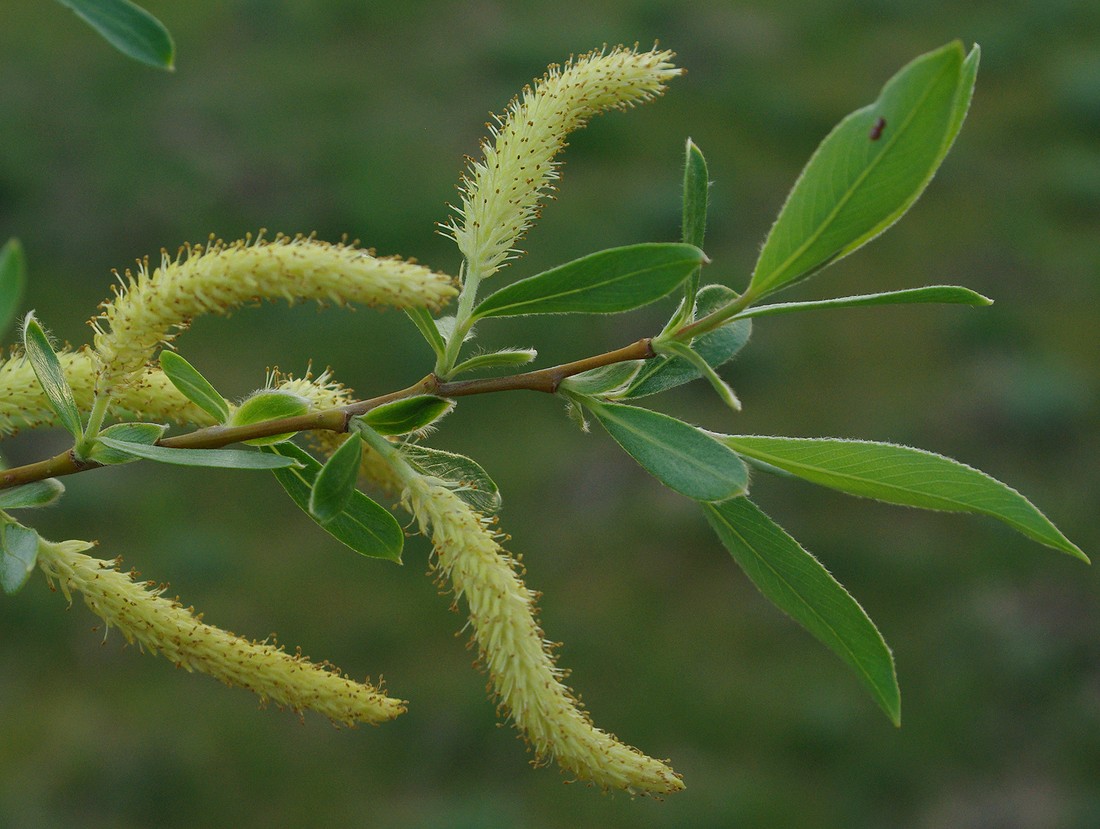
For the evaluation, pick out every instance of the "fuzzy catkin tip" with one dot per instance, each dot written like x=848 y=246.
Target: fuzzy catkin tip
x=152 y=308
x=501 y=193
x=514 y=652
x=161 y=625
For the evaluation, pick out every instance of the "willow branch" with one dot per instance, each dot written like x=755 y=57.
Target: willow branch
x=544 y=380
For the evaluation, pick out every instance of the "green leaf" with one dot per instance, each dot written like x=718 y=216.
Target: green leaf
x=902 y=475
x=869 y=170
x=963 y=95
x=13 y=279
x=618 y=279
x=35 y=494
x=696 y=185
x=716 y=347
x=941 y=294
x=268 y=405
x=334 y=484
x=463 y=475
x=682 y=457
x=603 y=380
x=496 y=359
x=214 y=458
x=18 y=555
x=144 y=433
x=407 y=415
x=363 y=525
x=47 y=369
x=192 y=385
x=129 y=28
x=796 y=583
x=428 y=329
x=694 y=224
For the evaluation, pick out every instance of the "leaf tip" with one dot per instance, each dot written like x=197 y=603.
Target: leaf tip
x=1077 y=552
x=12 y=247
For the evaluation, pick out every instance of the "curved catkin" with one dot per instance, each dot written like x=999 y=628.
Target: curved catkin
x=501 y=193
x=147 y=395
x=514 y=651
x=165 y=626
x=152 y=308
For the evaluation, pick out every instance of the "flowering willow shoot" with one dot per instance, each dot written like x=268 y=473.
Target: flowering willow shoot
x=130 y=395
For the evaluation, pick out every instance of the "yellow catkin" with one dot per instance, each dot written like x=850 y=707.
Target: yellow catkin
x=148 y=395
x=514 y=650
x=164 y=626
x=153 y=307
x=501 y=193
x=503 y=616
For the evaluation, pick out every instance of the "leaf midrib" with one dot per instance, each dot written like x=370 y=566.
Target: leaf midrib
x=776 y=274
x=855 y=661
x=579 y=289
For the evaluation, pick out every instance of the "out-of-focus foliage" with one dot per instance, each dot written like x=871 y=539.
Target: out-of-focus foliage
x=350 y=117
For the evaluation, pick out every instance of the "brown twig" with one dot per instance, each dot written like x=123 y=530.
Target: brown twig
x=545 y=380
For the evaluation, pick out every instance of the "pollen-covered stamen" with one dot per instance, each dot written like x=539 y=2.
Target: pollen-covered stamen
x=152 y=308
x=501 y=193
x=161 y=625
x=514 y=651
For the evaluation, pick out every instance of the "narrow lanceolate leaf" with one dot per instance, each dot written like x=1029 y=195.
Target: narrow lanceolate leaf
x=685 y=352
x=716 y=347
x=425 y=324
x=194 y=386
x=144 y=433
x=335 y=483
x=618 y=279
x=363 y=525
x=696 y=185
x=18 y=555
x=129 y=28
x=13 y=278
x=694 y=225
x=797 y=583
x=902 y=475
x=941 y=294
x=403 y=416
x=47 y=369
x=462 y=475
x=35 y=494
x=215 y=458
x=870 y=169
x=681 y=456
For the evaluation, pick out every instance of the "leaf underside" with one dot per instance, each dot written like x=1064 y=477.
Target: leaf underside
x=796 y=582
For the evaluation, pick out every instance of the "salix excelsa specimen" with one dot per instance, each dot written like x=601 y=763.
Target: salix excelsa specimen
x=115 y=395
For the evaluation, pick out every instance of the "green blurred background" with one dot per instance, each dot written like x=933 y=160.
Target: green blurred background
x=350 y=117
